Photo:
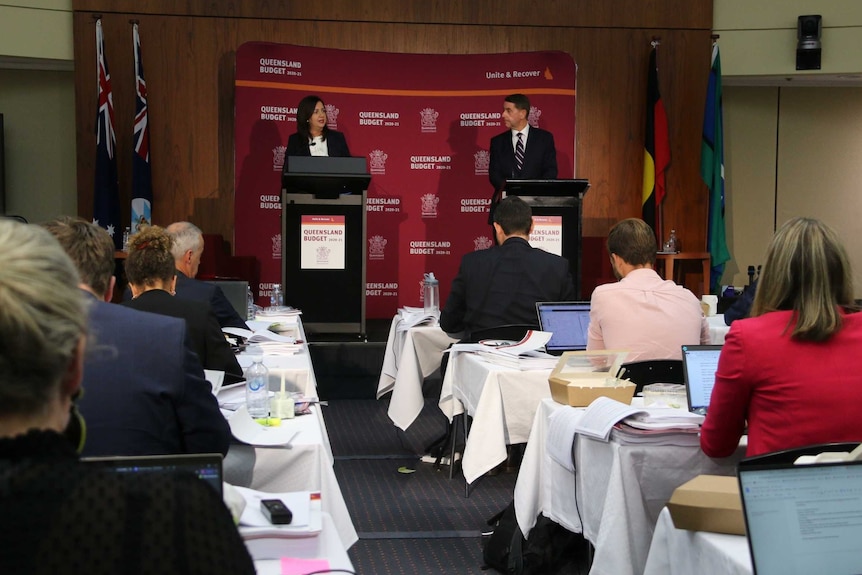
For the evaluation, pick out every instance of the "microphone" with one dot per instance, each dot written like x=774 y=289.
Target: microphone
x=312 y=143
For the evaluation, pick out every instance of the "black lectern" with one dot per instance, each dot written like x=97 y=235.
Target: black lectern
x=557 y=198
x=326 y=280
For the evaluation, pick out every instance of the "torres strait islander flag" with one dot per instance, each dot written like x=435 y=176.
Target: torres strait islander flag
x=142 y=186
x=656 y=151
x=106 y=201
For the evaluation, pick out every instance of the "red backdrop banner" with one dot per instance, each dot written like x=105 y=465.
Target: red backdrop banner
x=423 y=122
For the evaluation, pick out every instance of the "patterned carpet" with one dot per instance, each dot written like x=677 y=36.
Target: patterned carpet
x=409 y=523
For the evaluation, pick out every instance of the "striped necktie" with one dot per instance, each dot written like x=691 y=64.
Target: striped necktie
x=519 y=153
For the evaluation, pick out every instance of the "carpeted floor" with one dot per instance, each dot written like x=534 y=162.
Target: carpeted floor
x=410 y=517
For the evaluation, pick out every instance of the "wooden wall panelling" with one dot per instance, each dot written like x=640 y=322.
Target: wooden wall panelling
x=190 y=71
x=680 y=14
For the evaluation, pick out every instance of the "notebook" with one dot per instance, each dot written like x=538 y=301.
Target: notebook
x=699 y=363
x=568 y=321
x=803 y=518
x=207 y=466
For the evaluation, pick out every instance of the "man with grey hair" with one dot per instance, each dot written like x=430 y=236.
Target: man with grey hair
x=187 y=250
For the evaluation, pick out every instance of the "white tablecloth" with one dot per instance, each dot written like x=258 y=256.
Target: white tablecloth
x=325 y=545
x=411 y=356
x=306 y=464
x=679 y=552
x=619 y=489
x=502 y=402
x=717 y=329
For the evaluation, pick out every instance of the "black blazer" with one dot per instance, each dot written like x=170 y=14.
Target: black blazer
x=502 y=284
x=146 y=392
x=190 y=288
x=540 y=158
x=205 y=335
x=336 y=143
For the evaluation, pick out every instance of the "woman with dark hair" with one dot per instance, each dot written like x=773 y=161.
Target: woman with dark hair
x=313 y=137
x=57 y=514
x=790 y=369
x=152 y=277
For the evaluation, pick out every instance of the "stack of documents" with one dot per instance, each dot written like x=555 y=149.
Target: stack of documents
x=280 y=314
x=636 y=424
x=526 y=354
x=412 y=316
x=262 y=538
x=268 y=341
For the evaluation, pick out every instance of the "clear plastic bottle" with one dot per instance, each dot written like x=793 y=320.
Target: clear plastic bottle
x=249 y=297
x=431 y=295
x=672 y=243
x=276 y=298
x=257 y=385
x=127 y=233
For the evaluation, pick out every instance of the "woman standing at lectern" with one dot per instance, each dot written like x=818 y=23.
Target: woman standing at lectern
x=313 y=137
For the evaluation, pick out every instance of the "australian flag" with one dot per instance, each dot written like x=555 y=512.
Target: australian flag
x=106 y=200
x=142 y=185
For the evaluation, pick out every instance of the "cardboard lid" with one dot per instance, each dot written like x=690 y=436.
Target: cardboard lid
x=575 y=365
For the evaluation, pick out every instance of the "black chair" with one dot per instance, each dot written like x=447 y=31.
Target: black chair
x=21 y=219
x=788 y=456
x=512 y=331
x=643 y=373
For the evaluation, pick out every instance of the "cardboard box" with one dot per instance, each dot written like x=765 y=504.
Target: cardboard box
x=581 y=394
x=581 y=377
x=708 y=503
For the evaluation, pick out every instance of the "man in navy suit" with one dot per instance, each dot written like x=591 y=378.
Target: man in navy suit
x=187 y=251
x=144 y=389
x=502 y=284
x=522 y=152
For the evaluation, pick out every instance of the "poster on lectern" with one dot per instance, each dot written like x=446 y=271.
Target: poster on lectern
x=321 y=243
x=547 y=234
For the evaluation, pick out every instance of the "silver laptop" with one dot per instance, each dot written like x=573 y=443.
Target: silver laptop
x=699 y=364
x=803 y=518
x=206 y=466
x=568 y=321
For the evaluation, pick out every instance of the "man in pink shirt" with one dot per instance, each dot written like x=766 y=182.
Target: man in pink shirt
x=642 y=313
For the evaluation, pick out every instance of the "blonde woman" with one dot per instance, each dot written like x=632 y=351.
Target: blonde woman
x=791 y=369
x=58 y=514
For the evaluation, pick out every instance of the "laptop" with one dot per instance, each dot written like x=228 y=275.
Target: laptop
x=206 y=466
x=803 y=518
x=699 y=364
x=568 y=321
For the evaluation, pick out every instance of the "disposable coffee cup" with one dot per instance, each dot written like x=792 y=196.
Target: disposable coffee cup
x=712 y=302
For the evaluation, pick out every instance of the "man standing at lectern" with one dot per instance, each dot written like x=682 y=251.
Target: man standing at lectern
x=520 y=153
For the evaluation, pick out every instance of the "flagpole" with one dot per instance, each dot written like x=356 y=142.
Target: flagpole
x=659 y=209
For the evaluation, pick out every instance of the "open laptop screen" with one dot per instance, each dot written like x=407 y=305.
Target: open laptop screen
x=804 y=518
x=206 y=466
x=568 y=321
x=699 y=363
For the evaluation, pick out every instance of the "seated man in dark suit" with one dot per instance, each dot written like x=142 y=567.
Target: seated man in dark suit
x=145 y=389
x=522 y=152
x=187 y=251
x=502 y=284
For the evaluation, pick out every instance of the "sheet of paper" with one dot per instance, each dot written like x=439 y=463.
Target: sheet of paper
x=294 y=566
x=561 y=435
x=216 y=379
x=299 y=503
x=247 y=430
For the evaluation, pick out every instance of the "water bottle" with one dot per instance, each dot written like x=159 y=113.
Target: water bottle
x=672 y=243
x=276 y=297
x=127 y=233
x=249 y=298
x=431 y=295
x=257 y=386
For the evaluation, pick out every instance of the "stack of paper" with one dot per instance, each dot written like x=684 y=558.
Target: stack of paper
x=268 y=341
x=412 y=316
x=641 y=423
x=262 y=538
x=282 y=314
x=629 y=435
x=524 y=355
